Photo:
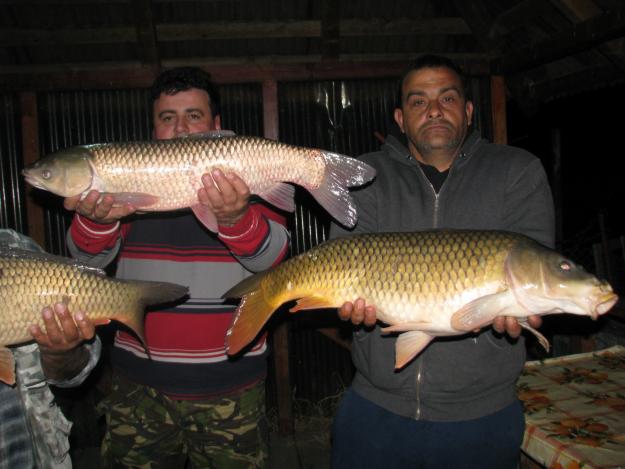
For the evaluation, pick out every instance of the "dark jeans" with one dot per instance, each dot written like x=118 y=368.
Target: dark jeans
x=367 y=436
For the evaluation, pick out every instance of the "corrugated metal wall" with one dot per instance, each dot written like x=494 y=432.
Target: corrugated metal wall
x=342 y=116
x=12 y=214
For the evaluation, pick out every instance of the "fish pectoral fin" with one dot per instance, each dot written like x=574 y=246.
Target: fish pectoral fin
x=101 y=322
x=541 y=338
x=282 y=195
x=7 y=366
x=136 y=199
x=206 y=217
x=312 y=302
x=405 y=327
x=481 y=311
x=409 y=345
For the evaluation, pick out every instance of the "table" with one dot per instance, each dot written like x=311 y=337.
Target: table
x=575 y=410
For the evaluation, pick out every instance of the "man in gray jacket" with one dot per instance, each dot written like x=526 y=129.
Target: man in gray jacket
x=455 y=405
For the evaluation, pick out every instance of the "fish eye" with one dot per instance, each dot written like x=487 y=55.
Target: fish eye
x=46 y=174
x=565 y=265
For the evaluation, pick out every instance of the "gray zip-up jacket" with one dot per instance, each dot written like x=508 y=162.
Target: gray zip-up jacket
x=492 y=187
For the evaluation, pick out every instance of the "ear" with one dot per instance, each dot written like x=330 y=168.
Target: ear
x=217 y=122
x=399 y=118
x=469 y=111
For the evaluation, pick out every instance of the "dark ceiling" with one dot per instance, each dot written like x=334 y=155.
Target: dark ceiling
x=544 y=48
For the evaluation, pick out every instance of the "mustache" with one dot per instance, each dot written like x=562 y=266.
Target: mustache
x=438 y=124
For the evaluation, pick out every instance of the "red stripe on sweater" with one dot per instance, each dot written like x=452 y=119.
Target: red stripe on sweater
x=224 y=257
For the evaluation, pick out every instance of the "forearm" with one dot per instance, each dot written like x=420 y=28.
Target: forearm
x=63 y=365
x=259 y=240
x=93 y=243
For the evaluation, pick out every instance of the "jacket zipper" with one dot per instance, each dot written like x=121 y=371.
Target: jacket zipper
x=435 y=225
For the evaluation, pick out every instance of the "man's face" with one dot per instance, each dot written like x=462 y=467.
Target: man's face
x=435 y=115
x=186 y=112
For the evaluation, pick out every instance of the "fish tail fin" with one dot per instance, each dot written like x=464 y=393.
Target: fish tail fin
x=253 y=312
x=150 y=293
x=341 y=172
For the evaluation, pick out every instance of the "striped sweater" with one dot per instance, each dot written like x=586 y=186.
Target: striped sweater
x=186 y=341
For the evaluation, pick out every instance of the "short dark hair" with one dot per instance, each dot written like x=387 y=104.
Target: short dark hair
x=184 y=78
x=431 y=61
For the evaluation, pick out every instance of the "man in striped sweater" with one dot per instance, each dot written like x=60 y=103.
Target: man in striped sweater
x=189 y=401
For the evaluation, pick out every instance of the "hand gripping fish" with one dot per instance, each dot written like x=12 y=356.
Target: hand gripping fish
x=166 y=174
x=423 y=284
x=30 y=281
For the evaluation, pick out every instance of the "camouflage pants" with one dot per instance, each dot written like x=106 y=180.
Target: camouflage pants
x=146 y=429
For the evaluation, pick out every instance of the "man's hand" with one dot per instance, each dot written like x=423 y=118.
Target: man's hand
x=509 y=325
x=62 y=357
x=61 y=332
x=358 y=313
x=98 y=207
x=227 y=195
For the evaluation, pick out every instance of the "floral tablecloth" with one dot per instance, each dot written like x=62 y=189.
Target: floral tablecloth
x=575 y=410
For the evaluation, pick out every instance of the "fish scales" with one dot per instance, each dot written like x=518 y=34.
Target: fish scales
x=399 y=272
x=423 y=285
x=172 y=169
x=29 y=282
x=26 y=286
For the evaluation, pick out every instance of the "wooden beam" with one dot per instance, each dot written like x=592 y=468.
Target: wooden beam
x=270 y=109
x=23 y=37
x=498 y=109
x=291 y=68
x=30 y=149
x=579 y=38
x=173 y=32
x=281 y=332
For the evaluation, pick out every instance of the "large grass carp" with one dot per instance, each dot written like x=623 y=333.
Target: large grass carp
x=166 y=174
x=423 y=284
x=30 y=281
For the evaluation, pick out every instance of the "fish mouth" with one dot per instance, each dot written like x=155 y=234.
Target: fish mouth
x=31 y=180
x=604 y=305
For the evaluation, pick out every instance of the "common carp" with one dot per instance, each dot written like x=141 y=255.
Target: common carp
x=423 y=284
x=30 y=281
x=166 y=174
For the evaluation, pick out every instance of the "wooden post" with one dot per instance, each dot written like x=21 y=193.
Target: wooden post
x=556 y=149
x=281 y=333
x=30 y=148
x=498 y=109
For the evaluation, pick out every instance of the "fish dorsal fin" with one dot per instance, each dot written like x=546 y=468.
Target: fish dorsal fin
x=409 y=345
x=46 y=257
x=282 y=195
x=212 y=134
x=481 y=311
